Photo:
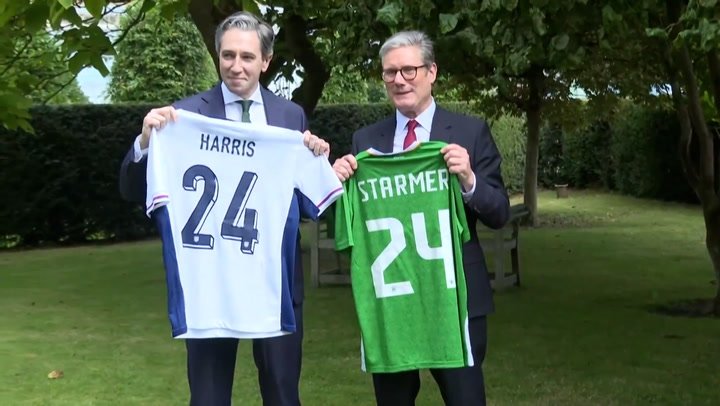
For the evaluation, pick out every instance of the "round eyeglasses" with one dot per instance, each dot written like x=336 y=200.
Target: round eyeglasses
x=407 y=72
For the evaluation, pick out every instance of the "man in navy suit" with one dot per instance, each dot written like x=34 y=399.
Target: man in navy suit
x=409 y=71
x=245 y=46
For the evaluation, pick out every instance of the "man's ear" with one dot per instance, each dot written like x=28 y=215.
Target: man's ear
x=266 y=62
x=432 y=70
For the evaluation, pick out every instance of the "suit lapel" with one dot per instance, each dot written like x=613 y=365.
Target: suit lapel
x=441 y=126
x=387 y=135
x=273 y=109
x=215 y=104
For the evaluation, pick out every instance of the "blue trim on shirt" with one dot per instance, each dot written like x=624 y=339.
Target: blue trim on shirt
x=175 y=294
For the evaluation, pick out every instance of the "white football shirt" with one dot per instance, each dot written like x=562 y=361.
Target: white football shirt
x=225 y=197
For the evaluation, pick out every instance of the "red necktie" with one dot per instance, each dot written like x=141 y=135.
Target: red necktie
x=410 y=137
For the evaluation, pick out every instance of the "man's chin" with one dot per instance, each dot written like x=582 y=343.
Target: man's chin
x=238 y=89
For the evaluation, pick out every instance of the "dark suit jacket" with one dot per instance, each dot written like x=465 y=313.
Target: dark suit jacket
x=278 y=111
x=489 y=203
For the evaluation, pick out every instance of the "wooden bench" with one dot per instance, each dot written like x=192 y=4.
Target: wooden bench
x=497 y=245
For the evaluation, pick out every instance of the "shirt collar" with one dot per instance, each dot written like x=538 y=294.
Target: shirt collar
x=230 y=97
x=424 y=119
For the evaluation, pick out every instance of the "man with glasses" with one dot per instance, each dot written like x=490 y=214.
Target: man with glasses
x=409 y=71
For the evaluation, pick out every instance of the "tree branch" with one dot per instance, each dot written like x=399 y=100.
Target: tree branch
x=60 y=89
x=706 y=158
x=316 y=72
x=207 y=18
x=18 y=55
x=714 y=67
x=686 y=132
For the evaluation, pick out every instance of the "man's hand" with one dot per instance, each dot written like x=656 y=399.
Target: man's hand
x=344 y=167
x=316 y=144
x=156 y=118
x=458 y=162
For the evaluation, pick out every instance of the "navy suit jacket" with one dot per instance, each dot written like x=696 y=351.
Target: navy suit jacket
x=278 y=111
x=489 y=203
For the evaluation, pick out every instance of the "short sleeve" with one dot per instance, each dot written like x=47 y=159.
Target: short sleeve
x=316 y=180
x=157 y=191
x=344 y=218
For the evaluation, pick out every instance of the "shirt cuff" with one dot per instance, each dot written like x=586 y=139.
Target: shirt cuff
x=468 y=195
x=139 y=153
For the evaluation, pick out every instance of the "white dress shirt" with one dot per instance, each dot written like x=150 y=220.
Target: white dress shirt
x=422 y=134
x=233 y=111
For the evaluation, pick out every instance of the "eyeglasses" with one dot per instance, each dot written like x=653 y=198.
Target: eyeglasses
x=407 y=72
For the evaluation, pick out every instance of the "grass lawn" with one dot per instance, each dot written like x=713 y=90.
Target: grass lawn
x=578 y=332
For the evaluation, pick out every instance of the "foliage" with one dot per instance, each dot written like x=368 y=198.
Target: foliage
x=43 y=64
x=81 y=43
x=77 y=28
x=64 y=178
x=645 y=155
x=161 y=60
x=350 y=86
x=587 y=158
x=509 y=133
x=551 y=159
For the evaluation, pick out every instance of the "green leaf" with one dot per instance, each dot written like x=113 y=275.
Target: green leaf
x=98 y=63
x=538 y=21
x=65 y=3
x=95 y=7
x=78 y=61
x=146 y=6
x=170 y=10
x=389 y=14
x=708 y=3
x=251 y=6
x=609 y=14
x=72 y=16
x=36 y=15
x=510 y=5
x=560 y=41
x=56 y=12
x=659 y=33
x=14 y=110
x=448 y=22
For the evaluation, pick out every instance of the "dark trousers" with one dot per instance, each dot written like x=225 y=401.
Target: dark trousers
x=211 y=368
x=458 y=386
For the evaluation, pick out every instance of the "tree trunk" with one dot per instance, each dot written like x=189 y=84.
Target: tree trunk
x=315 y=72
x=712 y=241
x=531 y=164
x=705 y=162
x=206 y=19
x=532 y=150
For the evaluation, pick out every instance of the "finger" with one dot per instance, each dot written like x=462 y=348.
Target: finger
x=350 y=159
x=341 y=173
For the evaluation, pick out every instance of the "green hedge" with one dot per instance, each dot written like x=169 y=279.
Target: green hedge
x=61 y=183
x=645 y=155
x=634 y=152
x=587 y=158
x=510 y=136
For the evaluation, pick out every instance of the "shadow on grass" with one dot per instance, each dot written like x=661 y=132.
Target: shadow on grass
x=691 y=308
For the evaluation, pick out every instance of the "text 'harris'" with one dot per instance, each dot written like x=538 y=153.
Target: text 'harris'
x=227 y=145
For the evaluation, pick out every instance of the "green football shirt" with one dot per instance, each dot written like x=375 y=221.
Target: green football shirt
x=402 y=215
